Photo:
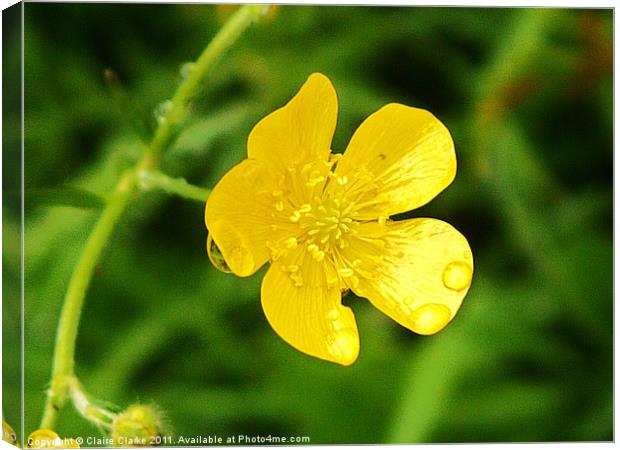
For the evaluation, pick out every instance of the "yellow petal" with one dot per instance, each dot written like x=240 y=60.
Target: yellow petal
x=308 y=314
x=239 y=216
x=406 y=155
x=422 y=270
x=299 y=132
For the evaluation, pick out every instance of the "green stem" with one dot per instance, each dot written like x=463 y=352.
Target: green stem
x=90 y=409
x=64 y=351
x=153 y=179
x=63 y=375
x=177 y=109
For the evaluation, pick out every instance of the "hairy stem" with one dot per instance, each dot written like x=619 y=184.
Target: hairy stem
x=64 y=351
x=153 y=179
x=177 y=108
x=63 y=375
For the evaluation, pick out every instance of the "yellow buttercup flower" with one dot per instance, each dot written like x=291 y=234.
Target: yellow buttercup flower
x=323 y=221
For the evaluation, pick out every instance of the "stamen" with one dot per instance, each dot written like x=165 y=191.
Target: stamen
x=291 y=242
x=297 y=279
x=346 y=272
x=295 y=216
x=319 y=255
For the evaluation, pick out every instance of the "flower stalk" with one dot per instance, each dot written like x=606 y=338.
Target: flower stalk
x=153 y=179
x=63 y=379
x=177 y=109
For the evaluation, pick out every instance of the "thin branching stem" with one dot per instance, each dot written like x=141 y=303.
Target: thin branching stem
x=64 y=351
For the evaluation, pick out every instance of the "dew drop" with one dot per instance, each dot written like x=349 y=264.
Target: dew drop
x=430 y=318
x=216 y=257
x=457 y=275
x=242 y=261
x=344 y=346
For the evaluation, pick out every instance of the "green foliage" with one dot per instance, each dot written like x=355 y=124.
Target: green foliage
x=527 y=95
x=63 y=196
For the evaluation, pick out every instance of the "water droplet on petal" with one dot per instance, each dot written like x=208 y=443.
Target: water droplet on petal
x=232 y=248
x=241 y=259
x=215 y=256
x=344 y=346
x=430 y=318
x=457 y=275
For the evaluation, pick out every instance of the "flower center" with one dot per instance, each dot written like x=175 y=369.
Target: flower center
x=320 y=220
x=324 y=226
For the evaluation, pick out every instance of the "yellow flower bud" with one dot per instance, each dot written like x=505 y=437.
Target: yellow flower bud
x=8 y=435
x=137 y=426
x=43 y=438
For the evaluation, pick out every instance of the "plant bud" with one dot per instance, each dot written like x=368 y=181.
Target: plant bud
x=137 y=426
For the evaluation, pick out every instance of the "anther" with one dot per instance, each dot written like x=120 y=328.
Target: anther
x=297 y=279
x=319 y=255
x=291 y=242
x=295 y=216
x=346 y=272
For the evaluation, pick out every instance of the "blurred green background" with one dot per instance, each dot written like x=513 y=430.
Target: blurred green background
x=527 y=95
